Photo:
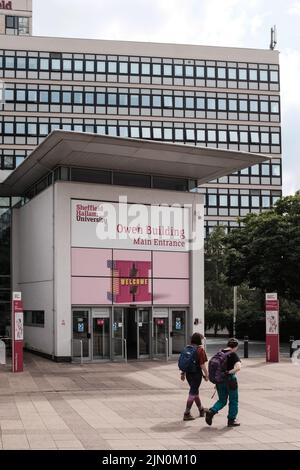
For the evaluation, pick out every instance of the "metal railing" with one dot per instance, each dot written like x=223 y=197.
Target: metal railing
x=125 y=349
x=75 y=342
x=167 y=348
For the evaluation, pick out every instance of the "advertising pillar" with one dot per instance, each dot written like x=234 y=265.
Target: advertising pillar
x=272 y=328
x=17 y=328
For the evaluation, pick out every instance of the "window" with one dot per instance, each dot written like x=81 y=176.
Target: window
x=275 y=170
x=211 y=72
x=55 y=64
x=189 y=71
x=157 y=133
x=178 y=70
x=190 y=134
x=179 y=134
x=156 y=101
x=275 y=138
x=145 y=69
x=21 y=63
x=134 y=100
x=234 y=201
x=274 y=76
x=243 y=105
x=255 y=170
x=34 y=318
x=123 y=100
x=189 y=103
x=274 y=105
x=264 y=138
x=263 y=75
x=145 y=101
x=168 y=134
x=222 y=136
x=200 y=103
x=254 y=137
x=173 y=184
x=135 y=132
x=167 y=69
x=55 y=97
x=112 y=67
x=127 y=179
x=112 y=99
x=233 y=136
x=201 y=135
x=212 y=200
x=101 y=66
x=242 y=74
x=264 y=106
x=211 y=136
x=32 y=96
x=123 y=68
x=90 y=66
x=9 y=95
x=266 y=203
x=44 y=63
x=78 y=66
x=223 y=200
x=67 y=65
x=32 y=63
x=89 y=98
x=78 y=97
x=232 y=104
x=44 y=96
x=168 y=102
x=253 y=106
x=200 y=72
x=254 y=201
x=134 y=68
x=156 y=69
x=9 y=62
x=101 y=99
x=265 y=170
x=221 y=73
x=253 y=75
x=221 y=104
x=232 y=74
x=244 y=137
x=211 y=103
x=244 y=201
x=178 y=102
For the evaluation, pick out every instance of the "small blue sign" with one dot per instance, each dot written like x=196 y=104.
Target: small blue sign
x=80 y=327
x=178 y=324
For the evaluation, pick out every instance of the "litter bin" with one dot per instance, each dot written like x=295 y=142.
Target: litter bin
x=2 y=352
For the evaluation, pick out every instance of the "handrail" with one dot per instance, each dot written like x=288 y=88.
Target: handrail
x=167 y=349
x=125 y=349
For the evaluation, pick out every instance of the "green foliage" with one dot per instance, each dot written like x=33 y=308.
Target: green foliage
x=265 y=252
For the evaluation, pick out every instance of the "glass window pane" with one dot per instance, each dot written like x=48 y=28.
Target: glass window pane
x=123 y=99
x=67 y=65
x=254 y=137
x=274 y=76
x=100 y=99
x=145 y=101
x=222 y=104
x=157 y=133
x=90 y=66
x=112 y=99
x=263 y=75
x=156 y=69
x=123 y=67
x=78 y=97
x=44 y=97
x=274 y=107
x=112 y=67
x=255 y=170
x=253 y=106
x=253 y=75
x=222 y=136
x=178 y=134
x=189 y=71
x=145 y=69
x=55 y=64
x=67 y=97
x=156 y=101
x=9 y=95
x=44 y=64
x=168 y=134
x=134 y=68
x=134 y=100
x=211 y=72
x=89 y=98
x=200 y=102
x=20 y=128
x=201 y=135
x=245 y=201
x=10 y=62
x=168 y=102
x=243 y=105
x=212 y=200
x=190 y=134
x=275 y=170
x=146 y=133
x=135 y=132
x=178 y=70
x=21 y=63
x=233 y=136
x=255 y=201
x=211 y=103
x=101 y=66
x=242 y=74
x=200 y=72
x=78 y=66
x=32 y=96
x=32 y=63
x=221 y=73
x=264 y=138
x=244 y=137
x=264 y=107
x=55 y=97
x=123 y=131
x=167 y=69
x=265 y=170
x=234 y=201
x=275 y=138
x=232 y=75
x=211 y=136
x=189 y=103
x=223 y=200
x=232 y=105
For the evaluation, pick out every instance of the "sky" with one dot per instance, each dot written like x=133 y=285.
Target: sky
x=233 y=23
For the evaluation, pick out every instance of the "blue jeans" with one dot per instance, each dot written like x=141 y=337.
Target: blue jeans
x=225 y=392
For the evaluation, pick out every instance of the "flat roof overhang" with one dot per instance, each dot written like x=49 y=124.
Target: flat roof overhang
x=78 y=149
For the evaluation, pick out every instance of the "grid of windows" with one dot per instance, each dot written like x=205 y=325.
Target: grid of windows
x=238 y=202
x=11 y=159
x=154 y=102
x=166 y=71
x=17 y=25
x=31 y=131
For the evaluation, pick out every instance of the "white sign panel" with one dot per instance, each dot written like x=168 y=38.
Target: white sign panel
x=19 y=327
x=272 y=323
x=271 y=296
x=97 y=224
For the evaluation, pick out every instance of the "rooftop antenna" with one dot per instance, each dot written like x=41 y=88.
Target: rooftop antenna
x=273 y=38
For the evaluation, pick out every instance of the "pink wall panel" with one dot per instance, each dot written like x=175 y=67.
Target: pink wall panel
x=170 y=265
x=90 y=262
x=171 y=292
x=90 y=291
x=132 y=255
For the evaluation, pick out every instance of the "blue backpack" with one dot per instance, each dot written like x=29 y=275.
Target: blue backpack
x=188 y=360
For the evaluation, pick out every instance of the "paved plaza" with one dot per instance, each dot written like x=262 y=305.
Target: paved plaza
x=140 y=406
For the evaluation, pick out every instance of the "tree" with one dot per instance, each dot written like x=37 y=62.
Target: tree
x=265 y=252
x=218 y=294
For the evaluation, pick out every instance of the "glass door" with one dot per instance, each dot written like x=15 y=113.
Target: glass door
x=118 y=333
x=81 y=334
x=178 y=332
x=143 y=333
x=160 y=336
x=101 y=338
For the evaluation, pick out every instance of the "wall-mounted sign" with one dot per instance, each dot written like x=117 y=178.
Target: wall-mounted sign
x=131 y=281
x=97 y=224
x=100 y=322
x=178 y=324
x=80 y=328
x=5 y=5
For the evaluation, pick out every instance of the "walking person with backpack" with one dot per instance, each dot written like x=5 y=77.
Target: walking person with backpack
x=223 y=368
x=192 y=363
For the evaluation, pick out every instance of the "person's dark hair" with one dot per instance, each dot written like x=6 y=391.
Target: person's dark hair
x=232 y=343
x=197 y=339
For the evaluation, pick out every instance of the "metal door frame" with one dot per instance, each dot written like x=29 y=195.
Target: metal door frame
x=90 y=332
x=123 y=357
x=138 y=310
x=171 y=310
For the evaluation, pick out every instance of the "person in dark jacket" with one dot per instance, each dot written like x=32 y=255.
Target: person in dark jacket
x=194 y=379
x=228 y=388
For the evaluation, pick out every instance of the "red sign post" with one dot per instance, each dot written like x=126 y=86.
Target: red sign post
x=17 y=328
x=272 y=328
